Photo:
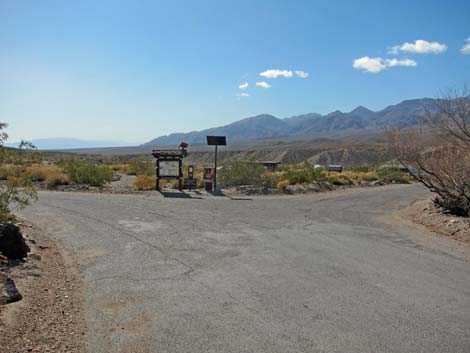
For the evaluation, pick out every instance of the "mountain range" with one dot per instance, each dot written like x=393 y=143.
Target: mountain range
x=263 y=127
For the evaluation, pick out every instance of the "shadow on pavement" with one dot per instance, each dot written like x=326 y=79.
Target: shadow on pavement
x=178 y=195
x=216 y=193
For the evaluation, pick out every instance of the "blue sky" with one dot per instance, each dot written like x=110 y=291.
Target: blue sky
x=134 y=70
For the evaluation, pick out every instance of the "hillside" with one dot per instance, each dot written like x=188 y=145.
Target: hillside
x=265 y=126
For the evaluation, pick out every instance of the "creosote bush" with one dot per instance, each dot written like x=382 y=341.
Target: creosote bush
x=16 y=189
x=238 y=173
x=304 y=175
x=141 y=166
x=393 y=174
x=81 y=172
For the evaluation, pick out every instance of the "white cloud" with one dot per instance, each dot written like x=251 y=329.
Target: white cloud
x=243 y=94
x=465 y=50
x=376 y=65
x=419 y=47
x=243 y=86
x=263 y=84
x=396 y=62
x=302 y=74
x=274 y=73
x=373 y=65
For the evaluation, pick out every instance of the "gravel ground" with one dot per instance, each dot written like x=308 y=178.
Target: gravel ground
x=428 y=215
x=49 y=318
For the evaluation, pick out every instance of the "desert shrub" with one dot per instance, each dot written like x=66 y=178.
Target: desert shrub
x=237 y=173
x=123 y=168
x=393 y=174
x=360 y=169
x=140 y=166
x=9 y=170
x=303 y=175
x=144 y=182
x=17 y=192
x=82 y=172
x=51 y=175
x=358 y=177
x=55 y=180
x=282 y=184
x=441 y=163
x=40 y=172
x=340 y=179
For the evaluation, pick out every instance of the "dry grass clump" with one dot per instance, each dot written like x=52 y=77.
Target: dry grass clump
x=359 y=177
x=40 y=172
x=122 y=168
x=51 y=175
x=144 y=182
x=53 y=181
x=340 y=179
x=283 y=184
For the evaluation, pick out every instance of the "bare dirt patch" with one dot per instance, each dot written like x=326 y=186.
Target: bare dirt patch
x=50 y=317
x=430 y=216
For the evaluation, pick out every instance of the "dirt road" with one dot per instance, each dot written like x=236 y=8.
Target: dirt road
x=330 y=272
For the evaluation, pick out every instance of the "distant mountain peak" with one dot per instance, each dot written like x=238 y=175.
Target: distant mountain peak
x=361 y=109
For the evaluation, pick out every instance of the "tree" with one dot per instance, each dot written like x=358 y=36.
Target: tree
x=16 y=191
x=437 y=153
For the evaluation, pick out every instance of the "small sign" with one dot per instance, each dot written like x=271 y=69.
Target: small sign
x=169 y=169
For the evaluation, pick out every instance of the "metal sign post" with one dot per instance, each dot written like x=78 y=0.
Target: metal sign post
x=216 y=141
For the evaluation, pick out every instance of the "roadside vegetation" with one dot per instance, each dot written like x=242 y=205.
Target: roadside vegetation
x=16 y=189
x=438 y=153
x=81 y=172
x=144 y=182
x=239 y=173
x=140 y=166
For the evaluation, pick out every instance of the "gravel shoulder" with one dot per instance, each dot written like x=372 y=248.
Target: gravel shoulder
x=424 y=212
x=50 y=317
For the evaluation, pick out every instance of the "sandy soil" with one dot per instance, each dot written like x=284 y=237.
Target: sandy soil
x=49 y=318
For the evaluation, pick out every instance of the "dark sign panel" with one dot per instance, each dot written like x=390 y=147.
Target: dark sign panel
x=216 y=140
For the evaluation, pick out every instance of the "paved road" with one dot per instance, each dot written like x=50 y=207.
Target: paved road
x=330 y=272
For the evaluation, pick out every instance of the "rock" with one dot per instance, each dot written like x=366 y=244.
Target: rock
x=36 y=257
x=8 y=291
x=12 y=243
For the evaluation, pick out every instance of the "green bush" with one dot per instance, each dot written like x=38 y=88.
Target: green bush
x=393 y=174
x=141 y=166
x=237 y=173
x=16 y=191
x=361 y=169
x=340 y=179
x=304 y=175
x=10 y=170
x=86 y=173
